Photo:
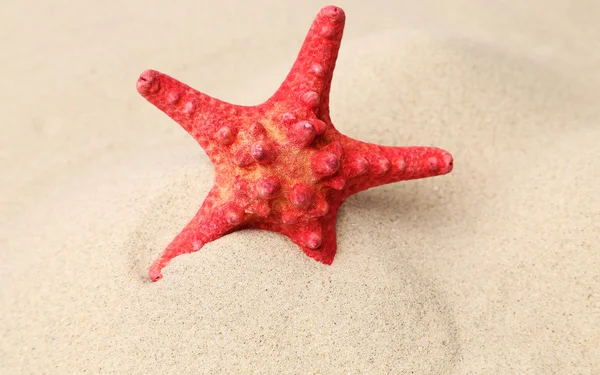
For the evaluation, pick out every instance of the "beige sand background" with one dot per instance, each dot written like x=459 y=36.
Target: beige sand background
x=493 y=269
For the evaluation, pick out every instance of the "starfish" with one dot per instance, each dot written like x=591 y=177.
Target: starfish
x=282 y=166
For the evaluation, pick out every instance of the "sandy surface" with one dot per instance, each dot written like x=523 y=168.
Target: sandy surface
x=492 y=269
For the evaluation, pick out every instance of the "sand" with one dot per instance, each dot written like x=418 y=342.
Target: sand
x=492 y=269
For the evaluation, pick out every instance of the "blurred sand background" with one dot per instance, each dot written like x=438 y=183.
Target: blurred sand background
x=492 y=269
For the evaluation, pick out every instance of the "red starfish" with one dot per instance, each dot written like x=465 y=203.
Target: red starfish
x=281 y=165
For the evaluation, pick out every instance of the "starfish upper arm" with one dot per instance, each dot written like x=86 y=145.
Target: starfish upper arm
x=309 y=79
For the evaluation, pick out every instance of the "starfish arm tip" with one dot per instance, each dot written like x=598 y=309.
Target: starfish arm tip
x=332 y=14
x=148 y=82
x=325 y=256
x=154 y=273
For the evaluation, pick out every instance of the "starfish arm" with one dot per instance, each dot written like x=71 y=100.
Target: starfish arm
x=373 y=165
x=199 y=114
x=309 y=79
x=211 y=222
x=316 y=238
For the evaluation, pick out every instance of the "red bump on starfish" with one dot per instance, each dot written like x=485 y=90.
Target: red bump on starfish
x=303 y=133
x=268 y=187
x=302 y=195
x=282 y=166
x=324 y=164
x=225 y=136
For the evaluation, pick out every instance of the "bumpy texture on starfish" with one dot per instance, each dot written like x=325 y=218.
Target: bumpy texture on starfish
x=281 y=165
